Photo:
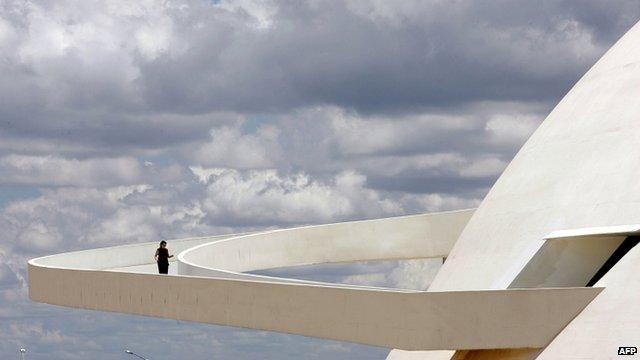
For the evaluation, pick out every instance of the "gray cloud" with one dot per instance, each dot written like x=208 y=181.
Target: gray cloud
x=373 y=57
x=101 y=75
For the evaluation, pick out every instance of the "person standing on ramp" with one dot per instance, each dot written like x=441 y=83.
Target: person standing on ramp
x=162 y=257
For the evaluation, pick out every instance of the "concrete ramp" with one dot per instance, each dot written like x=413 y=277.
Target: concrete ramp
x=489 y=319
x=213 y=288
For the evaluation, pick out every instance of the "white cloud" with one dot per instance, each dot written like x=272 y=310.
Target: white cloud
x=51 y=337
x=439 y=202
x=8 y=278
x=415 y=274
x=39 y=236
x=56 y=171
x=267 y=197
x=71 y=218
x=211 y=201
x=512 y=128
x=228 y=147
x=483 y=167
x=361 y=135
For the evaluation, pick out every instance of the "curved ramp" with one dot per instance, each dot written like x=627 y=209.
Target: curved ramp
x=411 y=320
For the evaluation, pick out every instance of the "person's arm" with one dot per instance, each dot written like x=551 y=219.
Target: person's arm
x=156 y=255
x=170 y=256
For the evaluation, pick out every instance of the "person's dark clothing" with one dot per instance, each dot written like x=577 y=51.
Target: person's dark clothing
x=163 y=260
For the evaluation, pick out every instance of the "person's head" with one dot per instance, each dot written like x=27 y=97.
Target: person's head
x=163 y=244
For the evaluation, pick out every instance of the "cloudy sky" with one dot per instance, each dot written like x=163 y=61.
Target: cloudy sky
x=126 y=122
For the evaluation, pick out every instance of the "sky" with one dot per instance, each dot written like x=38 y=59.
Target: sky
x=125 y=122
